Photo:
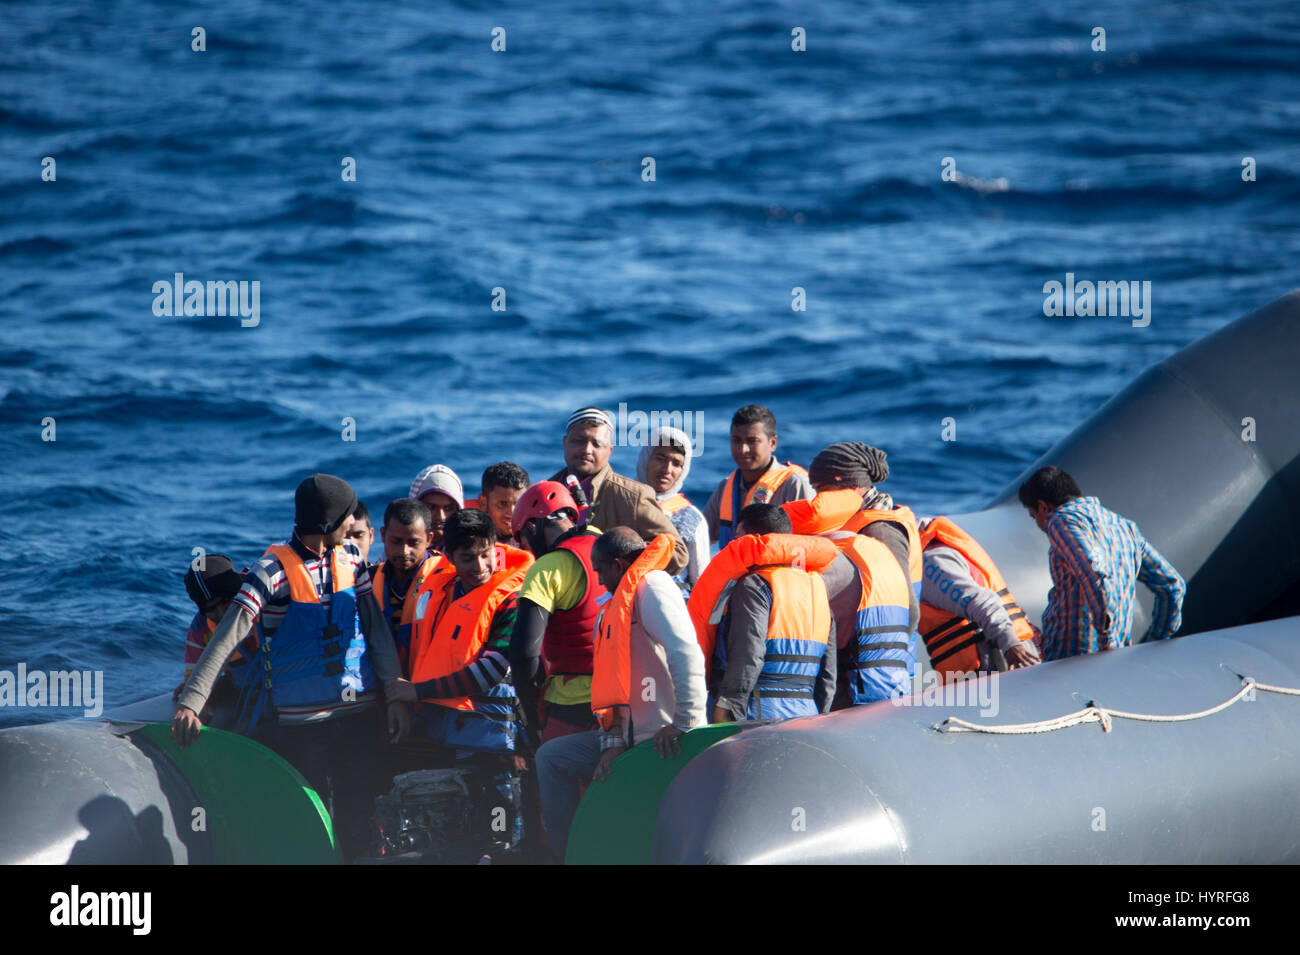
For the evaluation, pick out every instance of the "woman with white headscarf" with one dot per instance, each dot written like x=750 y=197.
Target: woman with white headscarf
x=664 y=463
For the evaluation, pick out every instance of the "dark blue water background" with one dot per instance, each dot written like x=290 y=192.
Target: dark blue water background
x=522 y=170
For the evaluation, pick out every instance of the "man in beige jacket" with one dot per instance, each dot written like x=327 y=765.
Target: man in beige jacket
x=613 y=500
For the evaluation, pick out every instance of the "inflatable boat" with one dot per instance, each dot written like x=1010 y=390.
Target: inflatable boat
x=1183 y=751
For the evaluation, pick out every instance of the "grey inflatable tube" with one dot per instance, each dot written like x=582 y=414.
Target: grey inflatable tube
x=879 y=784
x=87 y=793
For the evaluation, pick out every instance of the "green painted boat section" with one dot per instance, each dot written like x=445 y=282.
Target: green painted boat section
x=615 y=822
x=260 y=810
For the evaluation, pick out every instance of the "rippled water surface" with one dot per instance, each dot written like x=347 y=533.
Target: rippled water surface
x=522 y=170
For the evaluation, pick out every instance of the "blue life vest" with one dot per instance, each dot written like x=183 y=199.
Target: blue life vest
x=315 y=656
x=882 y=659
x=799 y=625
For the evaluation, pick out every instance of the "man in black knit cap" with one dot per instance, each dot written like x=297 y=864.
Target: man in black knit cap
x=316 y=693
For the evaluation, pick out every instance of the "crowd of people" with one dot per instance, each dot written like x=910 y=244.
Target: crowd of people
x=539 y=631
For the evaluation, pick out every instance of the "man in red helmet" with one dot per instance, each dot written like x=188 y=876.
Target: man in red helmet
x=551 y=648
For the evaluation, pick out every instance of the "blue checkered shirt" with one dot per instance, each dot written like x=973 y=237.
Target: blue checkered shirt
x=1097 y=559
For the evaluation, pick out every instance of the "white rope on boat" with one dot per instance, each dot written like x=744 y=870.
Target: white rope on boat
x=1093 y=713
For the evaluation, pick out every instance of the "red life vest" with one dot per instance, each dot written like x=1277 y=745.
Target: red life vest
x=611 y=684
x=742 y=556
x=674 y=504
x=899 y=515
x=448 y=635
x=567 y=645
x=952 y=640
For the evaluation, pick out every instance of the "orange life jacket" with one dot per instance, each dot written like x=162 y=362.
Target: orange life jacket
x=899 y=515
x=402 y=632
x=448 y=635
x=951 y=640
x=611 y=682
x=674 y=504
x=742 y=556
x=766 y=485
x=828 y=511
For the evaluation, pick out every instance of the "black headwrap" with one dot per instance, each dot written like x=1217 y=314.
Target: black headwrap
x=849 y=464
x=216 y=581
x=322 y=503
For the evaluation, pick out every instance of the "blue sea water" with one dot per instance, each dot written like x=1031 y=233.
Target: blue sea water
x=522 y=170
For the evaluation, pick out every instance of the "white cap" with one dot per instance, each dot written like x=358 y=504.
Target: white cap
x=438 y=477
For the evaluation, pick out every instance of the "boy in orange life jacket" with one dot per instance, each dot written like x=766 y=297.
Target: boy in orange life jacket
x=551 y=650
x=360 y=532
x=405 y=534
x=502 y=486
x=439 y=489
x=758 y=479
x=762 y=673
x=646 y=634
x=459 y=665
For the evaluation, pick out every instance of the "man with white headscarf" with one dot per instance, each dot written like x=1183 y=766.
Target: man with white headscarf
x=664 y=463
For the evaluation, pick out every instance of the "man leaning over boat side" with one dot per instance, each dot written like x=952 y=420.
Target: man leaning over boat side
x=1096 y=559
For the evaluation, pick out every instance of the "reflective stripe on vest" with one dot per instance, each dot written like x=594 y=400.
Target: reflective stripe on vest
x=567 y=645
x=674 y=504
x=315 y=656
x=951 y=640
x=796 y=644
x=448 y=635
x=883 y=656
x=708 y=600
x=402 y=628
x=899 y=515
x=764 y=488
x=611 y=684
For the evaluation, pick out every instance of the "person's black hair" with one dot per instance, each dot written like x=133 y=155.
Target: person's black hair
x=467 y=528
x=764 y=519
x=504 y=474
x=361 y=513
x=756 y=414
x=621 y=543
x=1049 y=484
x=406 y=511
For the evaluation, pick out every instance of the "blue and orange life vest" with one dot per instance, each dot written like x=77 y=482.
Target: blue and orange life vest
x=799 y=624
x=952 y=640
x=904 y=517
x=567 y=645
x=447 y=635
x=881 y=661
x=611 y=684
x=316 y=656
x=399 y=618
x=735 y=499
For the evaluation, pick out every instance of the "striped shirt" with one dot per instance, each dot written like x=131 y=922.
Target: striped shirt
x=266 y=591
x=1097 y=559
